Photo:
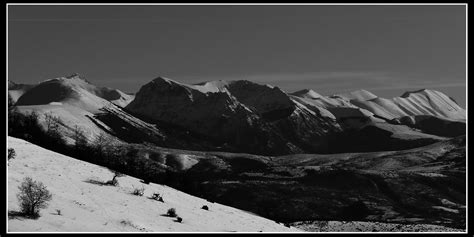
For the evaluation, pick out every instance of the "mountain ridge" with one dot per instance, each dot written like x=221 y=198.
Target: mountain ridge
x=245 y=116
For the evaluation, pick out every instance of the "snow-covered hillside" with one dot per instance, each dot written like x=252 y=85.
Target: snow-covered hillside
x=89 y=207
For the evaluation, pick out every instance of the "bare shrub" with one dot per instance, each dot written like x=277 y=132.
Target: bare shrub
x=114 y=181
x=11 y=153
x=33 y=196
x=171 y=212
x=80 y=140
x=52 y=123
x=157 y=197
x=139 y=191
x=101 y=142
x=53 y=134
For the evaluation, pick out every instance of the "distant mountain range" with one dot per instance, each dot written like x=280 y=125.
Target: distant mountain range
x=243 y=116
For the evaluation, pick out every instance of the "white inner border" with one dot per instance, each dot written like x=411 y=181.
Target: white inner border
x=246 y=4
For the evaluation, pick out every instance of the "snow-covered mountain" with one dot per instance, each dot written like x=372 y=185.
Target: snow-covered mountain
x=75 y=91
x=425 y=111
x=251 y=117
x=215 y=114
x=421 y=102
x=79 y=103
x=243 y=116
x=271 y=121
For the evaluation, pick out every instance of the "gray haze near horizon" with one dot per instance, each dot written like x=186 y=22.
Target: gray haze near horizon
x=331 y=49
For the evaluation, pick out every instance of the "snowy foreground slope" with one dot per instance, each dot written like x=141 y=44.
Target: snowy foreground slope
x=89 y=207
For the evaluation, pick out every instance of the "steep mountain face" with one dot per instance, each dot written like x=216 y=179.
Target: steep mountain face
x=254 y=118
x=270 y=102
x=299 y=125
x=217 y=115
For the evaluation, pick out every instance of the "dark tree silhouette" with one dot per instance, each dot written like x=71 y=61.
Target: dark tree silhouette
x=11 y=153
x=114 y=180
x=12 y=114
x=80 y=140
x=33 y=196
x=171 y=212
x=52 y=122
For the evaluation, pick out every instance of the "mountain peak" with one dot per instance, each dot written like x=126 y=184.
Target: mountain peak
x=75 y=76
x=161 y=80
x=361 y=94
x=245 y=82
x=407 y=93
x=307 y=93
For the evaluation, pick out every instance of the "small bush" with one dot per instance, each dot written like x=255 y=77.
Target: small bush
x=139 y=191
x=205 y=207
x=58 y=212
x=179 y=219
x=114 y=180
x=11 y=153
x=33 y=196
x=157 y=197
x=171 y=212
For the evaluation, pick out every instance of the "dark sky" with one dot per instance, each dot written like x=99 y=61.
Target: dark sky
x=330 y=49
